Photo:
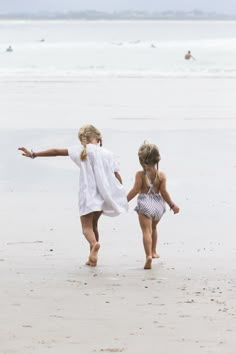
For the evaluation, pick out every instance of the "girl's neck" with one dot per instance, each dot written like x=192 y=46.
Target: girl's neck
x=93 y=141
x=151 y=169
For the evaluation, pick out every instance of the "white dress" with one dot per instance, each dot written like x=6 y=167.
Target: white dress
x=99 y=189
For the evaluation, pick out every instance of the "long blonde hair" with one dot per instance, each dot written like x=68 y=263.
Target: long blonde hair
x=85 y=135
x=148 y=155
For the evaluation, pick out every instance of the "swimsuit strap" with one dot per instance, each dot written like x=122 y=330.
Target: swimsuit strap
x=150 y=184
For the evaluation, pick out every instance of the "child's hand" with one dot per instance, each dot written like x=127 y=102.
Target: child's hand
x=175 y=209
x=26 y=152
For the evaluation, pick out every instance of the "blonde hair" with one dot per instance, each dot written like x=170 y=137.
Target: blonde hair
x=85 y=135
x=148 y=155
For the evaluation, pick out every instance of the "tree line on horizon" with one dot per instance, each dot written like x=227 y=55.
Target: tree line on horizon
x=117 y=15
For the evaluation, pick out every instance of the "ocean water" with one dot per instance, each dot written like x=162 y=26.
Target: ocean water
x=129 y=79
x=117 y=74
x=130 y=49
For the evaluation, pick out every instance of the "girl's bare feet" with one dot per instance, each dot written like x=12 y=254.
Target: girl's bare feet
x=155 y=255
x=148 y=264
x=93 y=257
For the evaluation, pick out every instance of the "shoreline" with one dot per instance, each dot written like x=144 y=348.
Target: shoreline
x=89 y=101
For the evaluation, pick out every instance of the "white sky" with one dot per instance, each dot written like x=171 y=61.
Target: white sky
x=222 y=6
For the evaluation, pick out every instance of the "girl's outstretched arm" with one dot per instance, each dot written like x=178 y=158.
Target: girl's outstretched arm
x=137 y=186
x=45 y=153
x=165 y=195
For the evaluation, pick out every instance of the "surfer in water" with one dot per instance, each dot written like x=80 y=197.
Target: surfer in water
x=189 y=56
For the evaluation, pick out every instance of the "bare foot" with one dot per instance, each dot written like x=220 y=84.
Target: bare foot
x=88 y=261
x=155 y=255
x=148 y=264
x=93 y=257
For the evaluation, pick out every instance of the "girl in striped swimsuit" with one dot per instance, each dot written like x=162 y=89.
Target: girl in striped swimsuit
x=150 y=184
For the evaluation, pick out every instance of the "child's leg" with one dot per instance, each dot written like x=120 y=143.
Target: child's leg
x=146 y=226
x=87 y=227
x=96 y=216
x=154 y=239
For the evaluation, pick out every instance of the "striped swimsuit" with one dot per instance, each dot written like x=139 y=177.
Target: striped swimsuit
x=151 y=204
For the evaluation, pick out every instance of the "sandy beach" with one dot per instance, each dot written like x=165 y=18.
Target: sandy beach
x=130 y=79
x=52 y=303
x=121 y=104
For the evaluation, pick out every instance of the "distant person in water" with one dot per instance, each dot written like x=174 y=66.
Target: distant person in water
x=188 y=56
x=9 y=49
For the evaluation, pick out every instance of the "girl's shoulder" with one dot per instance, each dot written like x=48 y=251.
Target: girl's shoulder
x=161 y=175
x=140 y=174
x=74 y=152
x=98 y=149
x=106 y=151
x=96 y=152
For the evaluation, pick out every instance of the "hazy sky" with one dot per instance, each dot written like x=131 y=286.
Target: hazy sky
x=223 y=6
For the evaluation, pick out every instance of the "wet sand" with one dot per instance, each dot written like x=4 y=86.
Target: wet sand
x=52 y=303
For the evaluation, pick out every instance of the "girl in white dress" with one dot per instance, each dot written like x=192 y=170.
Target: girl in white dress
x=100 y=185
x=150 y=184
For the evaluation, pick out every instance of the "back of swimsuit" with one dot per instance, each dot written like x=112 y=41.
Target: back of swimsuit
x=151 y=204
